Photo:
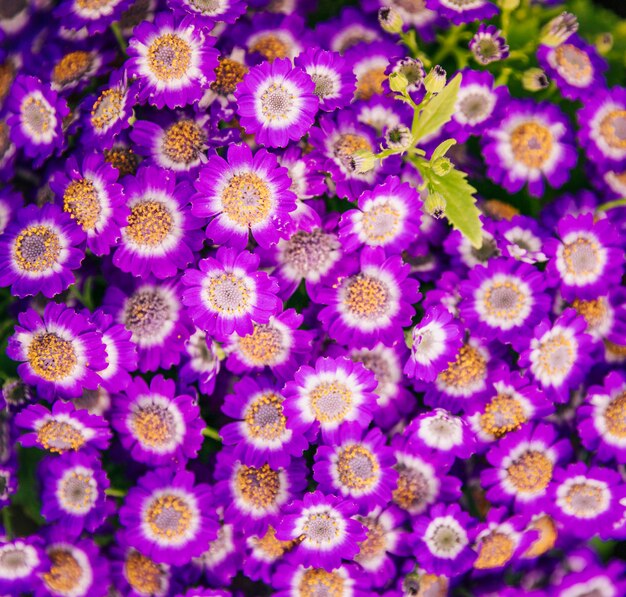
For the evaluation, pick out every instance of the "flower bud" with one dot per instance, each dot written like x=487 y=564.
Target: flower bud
x=361 y=161
x=390 y=20
x=435 y=204
x=399 y=137
x=435 y=80
x=604 y=43
x=556 y=31
x=535 y=79
x=398 y=82
x=441 y=166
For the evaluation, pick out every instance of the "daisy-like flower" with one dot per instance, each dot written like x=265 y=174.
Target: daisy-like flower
x=488 y=45
x=60 y=352
x=479 y=104
x=388 y=216
x=276 y=102
x=228 y=294
x=435 y=342
x=62 y=428
x=229 y=73
x=21 y=563
x=333 y=78
x=72 y=71
x=522 y=238
x=592 y=578
x=357 y=467
x=254 y=497
x=278 y=345
x=504 y=299
x=73 y=492
x=207 y=14
x=35 y=119
x=140 y=575
x=323 y=398
x=371 y=300
x=270 y=37
x=109 y=111
x=462 y=11
x=122 y=157
x=444 y=538
x=513 y=403
x=93 y=15
x=203 y=362
x=39 y=250
x=370 y=62
x=154 y=314
x=412 y=69
x=245 y=194
x=169 y=518
x=176 y=142
x=328 y=534
x=303 y=579
x=602 y=419
x=587 y=259
x=88 y=191
x=172 y=60
x=532 y=142
x=440 y=431
x=260 y=435
x=602 y=122
x=155 y=425
x=76 y=568
x=559 y=354
x=575 y=67
x=586 y=501
x=160 y=235
x=422 y=478
x=523 y=465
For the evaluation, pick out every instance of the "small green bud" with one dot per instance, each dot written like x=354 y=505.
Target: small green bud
x=390 y=20
x=535 y=79
x=435 y=80
x=399 y=137
x=435 y=204
x=361 y=161
x=556 y=31
x=604 y=43
x=441 y=166
x=508 y=5
x=398 y=82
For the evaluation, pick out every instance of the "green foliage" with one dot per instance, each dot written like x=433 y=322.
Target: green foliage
x=438 y=110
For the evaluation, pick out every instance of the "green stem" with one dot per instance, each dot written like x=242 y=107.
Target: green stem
x=611 y=204
x=449 y=44
x=119 y=493
x=7 y=523
x=4 y=326
x=115 y=27
x=212 y=433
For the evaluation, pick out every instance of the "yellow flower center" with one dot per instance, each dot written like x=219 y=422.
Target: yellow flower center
x=573 y=64
x=183 y=142
x=247 y=200
x=370 y=83
x=532 y=144
x=357 y=467
x=613 y=129
x=366 y=297
x=581 y=256
x=228 y=74
x=169 y=57
x=65 y=572
x=502 y=414
x=264 y=346
x=270 y=47
x=149 y=223
x=496 y=549
x=169 y=517
x=153 y=425
x=330 y=401
x=122 y=158
x=51 y=357
x=228 y=294
x=264 y=417
x=107 y=108
x=316 y=581
x=615 y=416
x=37 y=116
x=71 y=68
x=375 y=543
x=530 y=473
x=546 y=539
x=504 y=300
x=37 y=248
x=594 y=311
x=258 y=487
x=143 y=575
x=81 y=201
x=59 y=437
x=272 y=548
x=469 y=368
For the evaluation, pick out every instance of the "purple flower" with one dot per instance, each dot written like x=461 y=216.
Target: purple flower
x=93 y=17
x=276 y=102
x=207 y=14
x=22 y=561
x=488 y=45
x=201 y=362
x=228 y=294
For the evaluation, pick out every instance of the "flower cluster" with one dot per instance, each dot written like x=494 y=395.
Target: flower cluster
x=261 y=334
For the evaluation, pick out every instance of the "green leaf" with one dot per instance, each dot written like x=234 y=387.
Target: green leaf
x=438 y=110
x=442 y=149
x=461 y=209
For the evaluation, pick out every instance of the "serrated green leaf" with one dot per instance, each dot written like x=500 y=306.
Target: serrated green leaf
x=438 y=110
x=461 y=209
x=442 y=149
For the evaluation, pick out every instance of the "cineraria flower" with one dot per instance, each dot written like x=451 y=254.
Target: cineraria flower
x=154 y=314
x=72 y=71
x=434 y=343
x=228 y=294
x=172 y=60
x=412 y=69
x=22 y=561
x=167 y=517
x=207 y=14
x=39 y=250
x=504 y=299
x=62 y=429
x=440 y=431
x=532 y=142
x=357 y=467
x=328 y=534
x=203 y=362
x=478 y=105
x=76 y=568
x=559 y=354
x=602 y=122
x=155 y=425
x=140 y=575
x=95 y=16
x=546 y=536
x=333 y=78
x=586 y=501
x=488 y=45
x=261 y=434
x=513 y=403
x=602 y=420
x=276 y=102
x=278 y=344
x=522 y=238
x=575 y=67
x=371 y=300
x=369 y=63
x=73 y=492
x=523 y=465
x=60 y=352
x=443 y=538
x=160 y=235
x=254 y=497
x=325 y=397
x=269 y=37
x=88 y=191
x=605 y=315
x=244 y=195
x=388 y=216
x=588 y=259
x=35 y=118
x=301 y=580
